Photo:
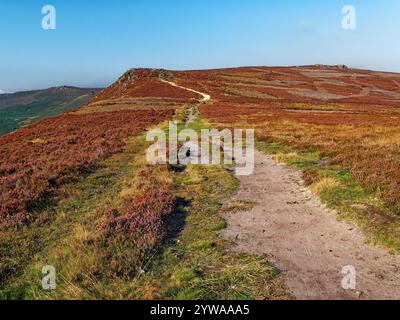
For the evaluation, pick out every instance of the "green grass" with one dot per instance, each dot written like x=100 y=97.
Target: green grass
x=339 y=190
x=195 y=264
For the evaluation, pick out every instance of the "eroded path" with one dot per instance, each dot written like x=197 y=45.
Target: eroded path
x=304 y=240
x=205 y=96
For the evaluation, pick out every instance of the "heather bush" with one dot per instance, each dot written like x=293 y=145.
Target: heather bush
x=36 y=160
x=138 y=228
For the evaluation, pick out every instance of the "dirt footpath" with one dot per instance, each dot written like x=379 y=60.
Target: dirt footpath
x=305 y=241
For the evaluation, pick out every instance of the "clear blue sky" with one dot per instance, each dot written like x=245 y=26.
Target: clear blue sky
x=96 y=41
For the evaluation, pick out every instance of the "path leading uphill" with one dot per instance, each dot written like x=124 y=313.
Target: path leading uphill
x=303 y=239
x=205 y=96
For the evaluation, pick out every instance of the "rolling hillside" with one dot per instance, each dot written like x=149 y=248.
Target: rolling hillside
x=115 y=227
x=22 y=108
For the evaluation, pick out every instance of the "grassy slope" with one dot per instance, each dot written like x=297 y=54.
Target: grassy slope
x=20 y=109
x=196 y=264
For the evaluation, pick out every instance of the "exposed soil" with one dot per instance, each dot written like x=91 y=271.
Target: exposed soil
x=304 y=239
x=301 y=237
x=205 y=96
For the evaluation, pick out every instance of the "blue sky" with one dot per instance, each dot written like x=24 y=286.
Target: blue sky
x=96 y=41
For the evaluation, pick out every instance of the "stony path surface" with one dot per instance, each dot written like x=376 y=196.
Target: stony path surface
x=205 y=97
x=303 y=239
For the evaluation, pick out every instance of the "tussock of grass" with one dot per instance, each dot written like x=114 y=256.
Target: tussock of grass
x=238 y=206
x=286 y=157
x=325 y=184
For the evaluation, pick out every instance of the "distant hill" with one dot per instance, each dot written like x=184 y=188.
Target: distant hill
x=22 y=108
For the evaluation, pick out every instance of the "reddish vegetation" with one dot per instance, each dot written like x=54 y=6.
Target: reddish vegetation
x=141 y=221
x=352 y=116
x=37 y=159
x=282 y=83
x=389 y=83
x=143 y=214
x=138 y=83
